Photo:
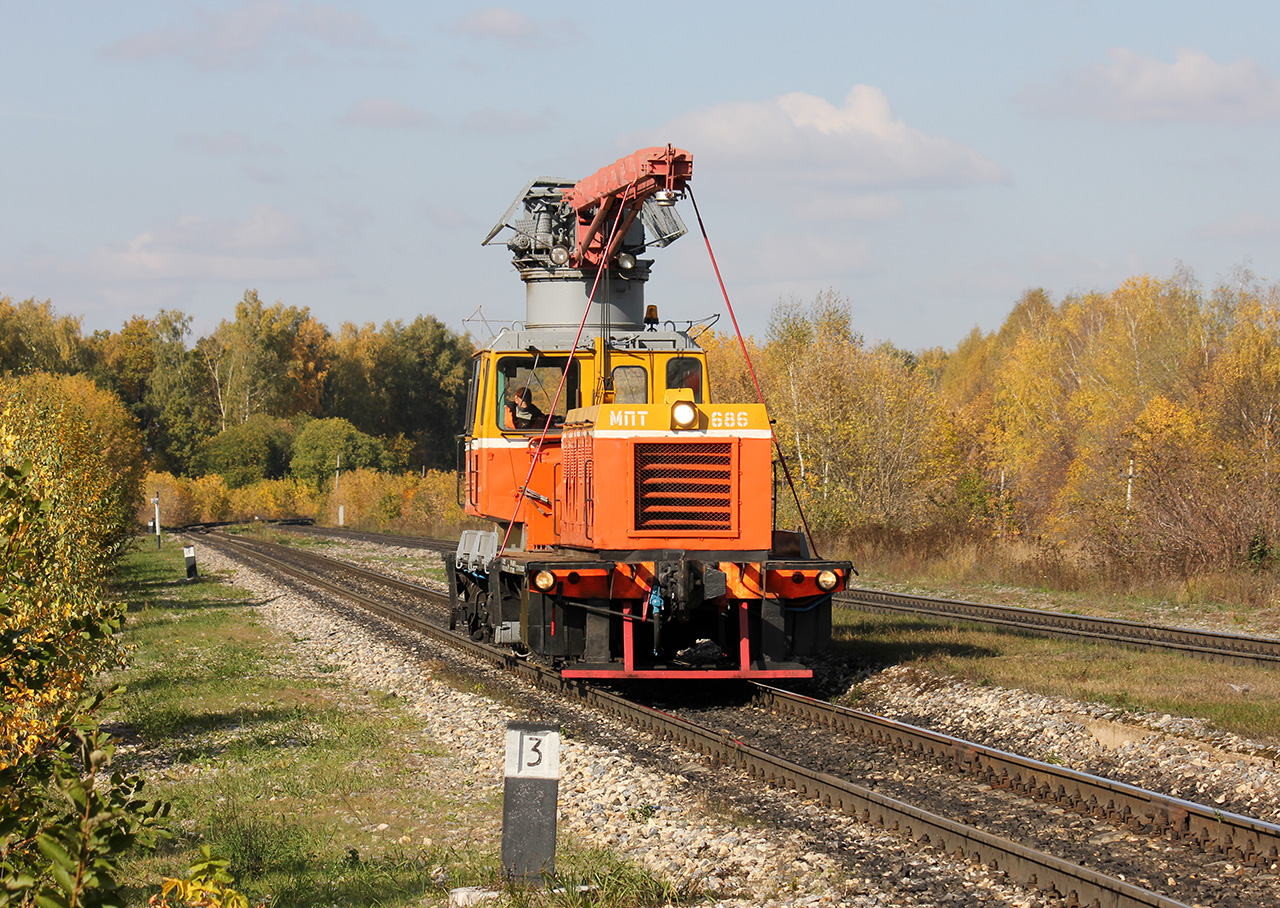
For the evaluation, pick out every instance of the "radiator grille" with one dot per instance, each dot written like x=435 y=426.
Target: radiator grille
x=684 y=487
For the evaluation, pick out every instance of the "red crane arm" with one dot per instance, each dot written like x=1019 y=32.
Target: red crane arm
x=628 y=181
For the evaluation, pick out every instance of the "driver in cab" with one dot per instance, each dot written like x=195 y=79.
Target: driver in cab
x=521 y=412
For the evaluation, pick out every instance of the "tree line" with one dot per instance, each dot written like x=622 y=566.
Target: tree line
x=1135 y=429
x=236 y=401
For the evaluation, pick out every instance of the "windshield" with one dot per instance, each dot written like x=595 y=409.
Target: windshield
x=526 y=389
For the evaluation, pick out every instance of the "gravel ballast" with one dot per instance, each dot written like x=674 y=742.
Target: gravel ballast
x=1176 y=756
x=662 y=818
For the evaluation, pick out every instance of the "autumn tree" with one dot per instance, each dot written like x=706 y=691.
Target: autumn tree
x=405 y=381
x=269 y=359
x=126 y=359
x=728 y=374
x=34 y=339
x=1193 y=507
x=863 y=429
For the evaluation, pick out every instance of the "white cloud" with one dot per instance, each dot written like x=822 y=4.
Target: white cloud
x=498 y=23
x=194 y=263
x=251 y=34
x=1132 y=87
x=267 y=245
x=859 y=145
x=1241 y=227
x=386 y=112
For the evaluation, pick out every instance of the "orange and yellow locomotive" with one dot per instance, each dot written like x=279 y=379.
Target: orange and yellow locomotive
x=634 y=530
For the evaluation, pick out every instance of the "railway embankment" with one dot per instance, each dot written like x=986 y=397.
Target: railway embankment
x=685 y=828
x=416 y=804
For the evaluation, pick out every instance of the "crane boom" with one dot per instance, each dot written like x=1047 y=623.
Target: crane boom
x=628 y=181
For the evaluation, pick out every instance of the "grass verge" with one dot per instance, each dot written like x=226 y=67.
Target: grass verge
x=318 y=793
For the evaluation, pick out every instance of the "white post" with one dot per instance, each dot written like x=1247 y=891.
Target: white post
x=156 y=501
x=531 y=792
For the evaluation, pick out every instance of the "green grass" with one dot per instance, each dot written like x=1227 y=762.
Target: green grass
x=318 y=793
x=1152 y=681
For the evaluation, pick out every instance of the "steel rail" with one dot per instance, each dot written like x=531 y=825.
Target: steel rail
x=1024 y=865
x=1215 y=645
x=1249 y=840
x=409 y=542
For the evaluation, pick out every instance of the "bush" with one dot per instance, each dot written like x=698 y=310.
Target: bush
x=63 y=824
x=70 y=462
x=408 y=503
x=86 y=455
x=272 y=499
x=206 y=499
x=177 y=504
x=260 y=448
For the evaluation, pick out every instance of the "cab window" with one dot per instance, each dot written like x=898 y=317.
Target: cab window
x=473 y=392
x=630 y=385
x=527 y=388
x=685 y=372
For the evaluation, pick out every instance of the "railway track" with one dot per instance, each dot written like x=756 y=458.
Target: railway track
x=1201 y=829
x=1213 y=645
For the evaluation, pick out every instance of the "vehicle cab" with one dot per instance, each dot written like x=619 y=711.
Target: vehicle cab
x=539 y=416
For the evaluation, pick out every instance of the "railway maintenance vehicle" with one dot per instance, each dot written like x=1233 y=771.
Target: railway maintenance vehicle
x=634 y=533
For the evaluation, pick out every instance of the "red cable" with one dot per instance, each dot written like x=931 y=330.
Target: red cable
x=563 y=378
x=786 y=471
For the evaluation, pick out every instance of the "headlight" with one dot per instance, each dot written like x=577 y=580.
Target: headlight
x=544 y=580
x=827 y=580
x=684 y=415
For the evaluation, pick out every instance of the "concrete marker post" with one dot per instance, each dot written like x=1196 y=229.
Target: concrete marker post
x=530 y=794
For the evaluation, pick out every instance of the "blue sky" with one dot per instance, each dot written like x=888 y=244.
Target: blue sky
x=928 y=161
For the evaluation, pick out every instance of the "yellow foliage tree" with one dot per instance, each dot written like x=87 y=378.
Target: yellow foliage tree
x=863 y=429
x=74 y=449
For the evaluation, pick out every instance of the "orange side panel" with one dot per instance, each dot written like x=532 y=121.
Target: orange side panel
x=500 y=474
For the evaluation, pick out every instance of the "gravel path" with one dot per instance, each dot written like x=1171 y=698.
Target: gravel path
x=684 y=821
